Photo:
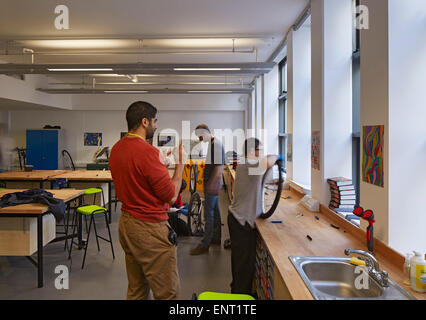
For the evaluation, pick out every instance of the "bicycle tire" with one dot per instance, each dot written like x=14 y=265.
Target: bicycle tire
x=270 y=212
x=66 y=154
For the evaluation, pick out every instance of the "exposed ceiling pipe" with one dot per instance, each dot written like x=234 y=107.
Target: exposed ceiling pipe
x=300 y=20
x=31 y=51
x=87 y=53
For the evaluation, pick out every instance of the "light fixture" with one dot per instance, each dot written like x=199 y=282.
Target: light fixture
x=209 y=91
x=125 y=91
x=80 y=69
x=206 y=69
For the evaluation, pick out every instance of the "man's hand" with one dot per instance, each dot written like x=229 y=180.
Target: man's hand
x=180 y=154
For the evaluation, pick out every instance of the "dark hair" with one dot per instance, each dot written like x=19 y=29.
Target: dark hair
x=137 y=111
x=251 y=143
x=203 y=126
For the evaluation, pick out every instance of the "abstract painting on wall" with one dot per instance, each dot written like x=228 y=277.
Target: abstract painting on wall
x=315 y=150
x=289 y=147
x=93 y=139
x=372 y=157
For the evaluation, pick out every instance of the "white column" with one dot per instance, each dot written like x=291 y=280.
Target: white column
x=374 y=107
x=270 y=110
x=407 y=127
x=393 y=69
x=299 y=62
x=332 y=91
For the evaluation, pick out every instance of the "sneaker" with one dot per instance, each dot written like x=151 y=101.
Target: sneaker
x=200 y=249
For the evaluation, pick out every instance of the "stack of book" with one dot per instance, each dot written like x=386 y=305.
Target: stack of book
x=343 y=195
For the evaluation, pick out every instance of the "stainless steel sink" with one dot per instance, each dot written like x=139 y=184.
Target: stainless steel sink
x=334 y=278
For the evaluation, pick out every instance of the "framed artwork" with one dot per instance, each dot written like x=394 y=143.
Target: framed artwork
x=372 y=155
x=93 y=139
x=315 y=150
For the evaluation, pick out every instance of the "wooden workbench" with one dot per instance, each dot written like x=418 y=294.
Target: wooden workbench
x=27 y=179
x=289 y=238
x=38 y=208
x=35 y=211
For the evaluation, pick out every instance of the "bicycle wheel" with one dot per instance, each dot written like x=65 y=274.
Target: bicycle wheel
x=193 y=177
x=67 y=160
x=272 y=187
x=195 y=223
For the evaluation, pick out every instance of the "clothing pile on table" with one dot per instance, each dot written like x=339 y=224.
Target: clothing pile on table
x=56 y=206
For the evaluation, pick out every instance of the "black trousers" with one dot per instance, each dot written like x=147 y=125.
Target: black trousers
x=243 y=255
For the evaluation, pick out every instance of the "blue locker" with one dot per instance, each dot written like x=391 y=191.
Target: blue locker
x=43 y=149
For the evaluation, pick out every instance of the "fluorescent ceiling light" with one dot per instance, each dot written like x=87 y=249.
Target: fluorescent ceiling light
x=206 y=69
x=79 y=44
x=79 y=69
x=211 y=91
x=125 y=91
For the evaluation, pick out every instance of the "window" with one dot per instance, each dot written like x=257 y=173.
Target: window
x=282 y=105
x=356 y=113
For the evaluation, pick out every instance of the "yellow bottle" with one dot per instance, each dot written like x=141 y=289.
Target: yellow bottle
x=418 y=272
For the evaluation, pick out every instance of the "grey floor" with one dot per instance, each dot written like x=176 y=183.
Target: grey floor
x=104 y=278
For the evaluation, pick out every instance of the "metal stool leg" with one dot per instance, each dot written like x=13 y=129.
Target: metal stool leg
x=109 y=233
x=74 y=223
x=87 y=243
x=96 y=232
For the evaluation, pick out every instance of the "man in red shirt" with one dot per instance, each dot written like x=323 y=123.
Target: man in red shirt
x=146 y=191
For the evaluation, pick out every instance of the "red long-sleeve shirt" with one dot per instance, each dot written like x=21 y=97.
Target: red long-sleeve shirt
x=142 y=182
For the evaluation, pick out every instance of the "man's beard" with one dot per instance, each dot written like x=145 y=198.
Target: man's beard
x=150 y=132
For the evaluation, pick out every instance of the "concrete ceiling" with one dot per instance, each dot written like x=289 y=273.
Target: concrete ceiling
x=161 y=31
x=154 y=18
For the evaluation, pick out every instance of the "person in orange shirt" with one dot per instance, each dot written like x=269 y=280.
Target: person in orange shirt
x=146 y=191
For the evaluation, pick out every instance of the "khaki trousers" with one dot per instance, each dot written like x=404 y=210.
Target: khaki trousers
x=151 y=260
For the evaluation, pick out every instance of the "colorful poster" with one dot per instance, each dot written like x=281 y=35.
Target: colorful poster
x=93 y=139
x=372 y=157
x=315 y=150
x=289 y=147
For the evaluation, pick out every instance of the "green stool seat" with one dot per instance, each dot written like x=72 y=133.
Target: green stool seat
x=207 y=295
x=90 y=209
x=92 y=190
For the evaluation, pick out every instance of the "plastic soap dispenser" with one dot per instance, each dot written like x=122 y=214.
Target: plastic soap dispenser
x=418 y=272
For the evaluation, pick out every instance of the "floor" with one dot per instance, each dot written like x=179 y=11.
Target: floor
x=104 y=278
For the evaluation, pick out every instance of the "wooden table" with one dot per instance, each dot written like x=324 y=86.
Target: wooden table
x=289 y=238
x=96 y=176
x=36 y=175
x=37 y=210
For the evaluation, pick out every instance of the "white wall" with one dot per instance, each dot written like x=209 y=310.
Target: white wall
x=407 y=129
x=374 y=107
x=300 y=45
x=332 y=91
x=112 y=122
x=270 y=111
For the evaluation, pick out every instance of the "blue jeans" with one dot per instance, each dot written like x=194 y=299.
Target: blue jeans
x=213 y=224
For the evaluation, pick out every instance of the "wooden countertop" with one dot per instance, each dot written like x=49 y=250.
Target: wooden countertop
x=34 y=208
x=86 y=175
x=289 y=239
x=36 y=175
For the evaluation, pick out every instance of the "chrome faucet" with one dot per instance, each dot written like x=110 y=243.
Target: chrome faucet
x=381 y=276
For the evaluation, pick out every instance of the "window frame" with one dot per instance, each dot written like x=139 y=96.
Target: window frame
x=282 y=105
